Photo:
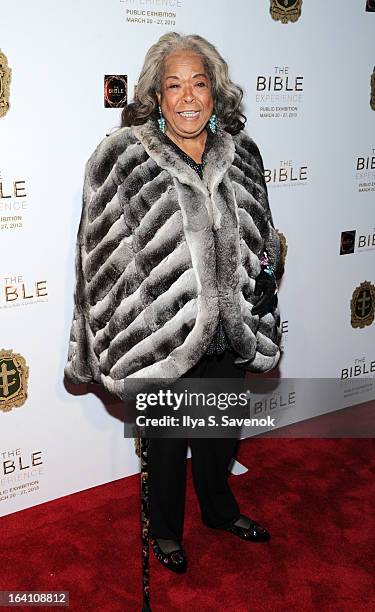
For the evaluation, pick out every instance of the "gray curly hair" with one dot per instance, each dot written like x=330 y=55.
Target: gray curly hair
x=227 y=95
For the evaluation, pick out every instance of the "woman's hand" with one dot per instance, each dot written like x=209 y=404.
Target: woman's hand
x=266 y=288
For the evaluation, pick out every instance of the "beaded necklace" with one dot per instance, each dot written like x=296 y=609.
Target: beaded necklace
x=189 y=160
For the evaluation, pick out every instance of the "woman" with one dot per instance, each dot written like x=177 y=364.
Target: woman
x=177 y=260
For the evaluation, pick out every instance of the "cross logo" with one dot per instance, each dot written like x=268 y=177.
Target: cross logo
x=286 y=10
x=6 y=380
x=362 y=305
x=14 y=375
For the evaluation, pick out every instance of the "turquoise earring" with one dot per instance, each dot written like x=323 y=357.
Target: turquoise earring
x=213 y=123
x=161 y=121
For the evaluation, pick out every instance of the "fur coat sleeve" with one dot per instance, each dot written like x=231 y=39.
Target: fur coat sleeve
x=83 y=363
x=161 y=254
x=249 y=160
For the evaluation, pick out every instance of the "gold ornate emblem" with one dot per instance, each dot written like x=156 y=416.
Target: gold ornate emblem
x=5 y=74
x=14 y=374
x=286 y=10
x=372 y=99
x=362 y=305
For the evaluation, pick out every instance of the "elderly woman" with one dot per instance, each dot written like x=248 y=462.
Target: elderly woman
x=176 y=263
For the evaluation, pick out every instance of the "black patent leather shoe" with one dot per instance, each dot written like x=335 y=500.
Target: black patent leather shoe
x=176 y=560
x=255 y=533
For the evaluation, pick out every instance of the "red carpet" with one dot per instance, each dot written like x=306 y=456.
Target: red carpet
x=316 y=496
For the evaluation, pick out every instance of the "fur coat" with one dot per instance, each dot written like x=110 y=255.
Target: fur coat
x=161 y=253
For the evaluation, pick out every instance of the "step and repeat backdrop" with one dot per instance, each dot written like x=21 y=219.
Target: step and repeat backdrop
x=66 y=70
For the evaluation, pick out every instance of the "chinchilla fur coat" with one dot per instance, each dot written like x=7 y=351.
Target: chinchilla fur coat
x=161 y=253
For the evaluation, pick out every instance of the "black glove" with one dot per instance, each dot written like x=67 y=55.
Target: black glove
x=265 y=287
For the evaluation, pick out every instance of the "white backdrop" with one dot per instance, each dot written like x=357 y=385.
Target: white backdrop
x=64 y=440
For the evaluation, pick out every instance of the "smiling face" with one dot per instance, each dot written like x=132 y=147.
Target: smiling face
x=186 y=95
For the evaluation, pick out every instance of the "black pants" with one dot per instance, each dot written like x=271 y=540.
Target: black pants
x=210 y=462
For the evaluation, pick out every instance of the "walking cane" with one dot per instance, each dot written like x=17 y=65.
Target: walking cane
x=145 y=522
